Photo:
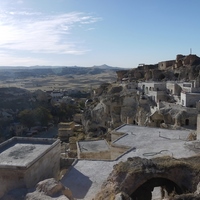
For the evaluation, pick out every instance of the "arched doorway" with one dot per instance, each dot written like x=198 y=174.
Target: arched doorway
x=166 y=186
x=187 y=122
x=135 y=122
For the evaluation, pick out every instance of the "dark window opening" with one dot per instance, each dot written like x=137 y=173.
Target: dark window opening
x=187 y=122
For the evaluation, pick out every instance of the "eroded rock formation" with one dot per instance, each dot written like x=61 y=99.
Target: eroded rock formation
x=183 y=68
x=113 y=105
x=137 y=177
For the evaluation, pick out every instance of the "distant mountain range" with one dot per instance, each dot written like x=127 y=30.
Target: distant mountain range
x=104 y=66
x=22 y=72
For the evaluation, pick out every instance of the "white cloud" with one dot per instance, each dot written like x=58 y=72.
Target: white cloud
x=90 y=29
x=23 y=13
x=12 y=60
x=37 y=33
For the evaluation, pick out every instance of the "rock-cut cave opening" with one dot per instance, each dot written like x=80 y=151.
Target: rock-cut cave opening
x=156 y=187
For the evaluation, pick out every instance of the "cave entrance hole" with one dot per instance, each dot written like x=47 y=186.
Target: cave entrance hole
x=162 y=121
x=156 y=188
x=187 y=122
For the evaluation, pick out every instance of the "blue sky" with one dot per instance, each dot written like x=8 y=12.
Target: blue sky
x=121 y=33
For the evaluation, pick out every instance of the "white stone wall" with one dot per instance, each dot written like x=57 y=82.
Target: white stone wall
x=157 y=95
x=173 y=88
x=164 y=64
x=11 y=179
x=47 y=165
x=183 y=99
x=189 y=99
x=152 y=86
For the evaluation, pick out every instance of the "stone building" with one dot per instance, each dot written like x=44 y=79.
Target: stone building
x=173 y=88
x=65 y=130
x=26 y=161
x=189 y=99
x=165 y=64
x=155 y=90
x=185 y=93
x=152 y=86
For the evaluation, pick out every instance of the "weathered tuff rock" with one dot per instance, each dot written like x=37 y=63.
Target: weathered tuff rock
x=137 y=177
x=50 y=189
x=114 y=105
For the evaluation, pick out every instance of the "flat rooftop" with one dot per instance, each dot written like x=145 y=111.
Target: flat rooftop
x=155 y=141
x=86 y=176
x=19 y=152
x=93 y=146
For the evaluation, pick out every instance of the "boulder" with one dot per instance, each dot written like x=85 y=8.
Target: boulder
x=50 y=189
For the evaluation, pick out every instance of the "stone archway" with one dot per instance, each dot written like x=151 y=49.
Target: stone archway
x=138 y=176
x=144 y=192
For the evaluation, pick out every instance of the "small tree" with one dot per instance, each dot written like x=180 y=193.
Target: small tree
x=43 y=116
x=27 y=118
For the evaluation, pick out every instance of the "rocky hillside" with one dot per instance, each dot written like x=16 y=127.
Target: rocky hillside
x=122 y=102
x=184 y=68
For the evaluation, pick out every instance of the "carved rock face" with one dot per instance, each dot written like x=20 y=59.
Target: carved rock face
x=137 y=177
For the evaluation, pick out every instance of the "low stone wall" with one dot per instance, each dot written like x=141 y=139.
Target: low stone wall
x=101 y=155
x=116 y=135
x=117 y=151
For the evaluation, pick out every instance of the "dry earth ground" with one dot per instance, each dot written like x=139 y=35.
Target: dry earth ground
x=50 y=82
